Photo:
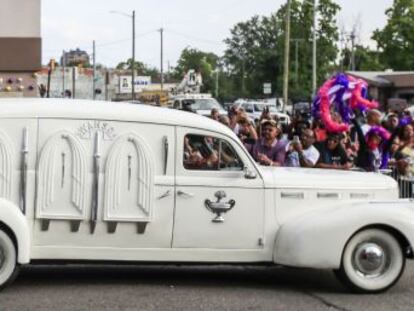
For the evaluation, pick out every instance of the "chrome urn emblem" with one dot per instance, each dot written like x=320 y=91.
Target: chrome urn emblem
x=219 y=207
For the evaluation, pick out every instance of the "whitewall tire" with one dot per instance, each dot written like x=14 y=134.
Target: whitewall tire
x=372 y=261
x=8 y=259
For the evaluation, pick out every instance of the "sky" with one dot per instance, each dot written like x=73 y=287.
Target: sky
x=199 y=24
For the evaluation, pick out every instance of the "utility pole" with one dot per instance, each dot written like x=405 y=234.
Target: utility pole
x=353 y=50
x=243 y=83
x=73 y=82
x=133 y=49
x=106 y=83
x=286 y=57
x=63 y=73
x=162 y=58
x=168 y=70
x=297 y=41
x=94 y=72
x=49 y=75
x=217 y=84
x=133 y=56
x=314 y=64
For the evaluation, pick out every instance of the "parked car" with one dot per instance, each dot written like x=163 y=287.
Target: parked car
x=94 y=181
x=254 y=110
x=198 y=103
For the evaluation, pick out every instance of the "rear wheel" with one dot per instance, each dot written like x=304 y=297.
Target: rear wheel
x=8 y=260
x=372 y=261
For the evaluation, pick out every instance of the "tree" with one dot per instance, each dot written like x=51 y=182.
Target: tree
x=396 y=39
x=251 y=56
x=140 y=68
x=365 y=59
x=254 y=53
x=203 y=62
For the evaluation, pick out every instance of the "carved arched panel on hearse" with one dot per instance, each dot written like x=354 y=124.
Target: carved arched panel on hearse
x=6 y=166
x=61 y=181
x=129 y=182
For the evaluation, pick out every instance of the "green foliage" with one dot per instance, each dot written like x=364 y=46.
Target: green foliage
x=252 y=57
x=140 y=68
x=396 y=39
x=254 y=53
x=202 y=62
x=365 y=59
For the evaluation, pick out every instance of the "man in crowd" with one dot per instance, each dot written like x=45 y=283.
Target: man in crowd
x=269 y=150
x=391 y=124
x=302 y=153
x=374 y=117
x=225 y=120
x=332 y=154
x=214 y=114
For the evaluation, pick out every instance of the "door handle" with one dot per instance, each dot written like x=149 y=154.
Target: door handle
x=164 y=195
x=184 y=194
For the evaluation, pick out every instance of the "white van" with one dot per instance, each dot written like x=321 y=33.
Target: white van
x=91 y=181
x=254 y=110
x=199 y=103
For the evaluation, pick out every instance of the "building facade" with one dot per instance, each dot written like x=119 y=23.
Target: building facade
x=20 y=47
x=75 y=58
x=388 y=86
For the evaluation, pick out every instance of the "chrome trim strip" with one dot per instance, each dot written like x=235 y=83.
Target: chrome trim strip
x=292 y=195
x=23 y=170
x=165 y=141
x=359 y=195
x=328 y=195
x=95 y=197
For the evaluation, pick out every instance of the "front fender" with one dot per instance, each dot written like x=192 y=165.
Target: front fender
x=317 y=239
x=12 y=217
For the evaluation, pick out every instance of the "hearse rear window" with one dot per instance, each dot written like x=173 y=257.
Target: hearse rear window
x=210 y=153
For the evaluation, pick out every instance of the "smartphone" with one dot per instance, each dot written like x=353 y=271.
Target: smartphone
x=296 y=139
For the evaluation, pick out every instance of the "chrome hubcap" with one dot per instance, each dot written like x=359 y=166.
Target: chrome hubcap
x=369 y=260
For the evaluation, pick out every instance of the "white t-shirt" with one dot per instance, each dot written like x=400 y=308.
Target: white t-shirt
x=311 y=154
x=365 y=128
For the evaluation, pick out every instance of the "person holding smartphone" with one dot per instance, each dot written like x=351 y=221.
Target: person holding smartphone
x=301 y=152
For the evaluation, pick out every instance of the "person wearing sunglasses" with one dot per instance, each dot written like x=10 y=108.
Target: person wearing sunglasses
x=332 y=154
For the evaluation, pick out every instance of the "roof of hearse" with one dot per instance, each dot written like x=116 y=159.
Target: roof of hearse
x=102 y=110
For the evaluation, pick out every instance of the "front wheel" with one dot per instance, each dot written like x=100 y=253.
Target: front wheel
x=372 y=261
x=8 y=260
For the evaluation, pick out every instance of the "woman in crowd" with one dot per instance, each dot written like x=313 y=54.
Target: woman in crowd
x=404 y=154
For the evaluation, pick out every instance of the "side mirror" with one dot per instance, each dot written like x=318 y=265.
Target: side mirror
x=249 y=174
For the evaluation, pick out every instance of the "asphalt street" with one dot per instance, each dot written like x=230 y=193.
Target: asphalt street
x=109 y=287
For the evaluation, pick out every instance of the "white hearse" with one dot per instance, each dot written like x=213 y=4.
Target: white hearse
x=90 y=181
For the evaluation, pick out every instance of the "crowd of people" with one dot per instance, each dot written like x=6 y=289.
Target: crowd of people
x=375 y=141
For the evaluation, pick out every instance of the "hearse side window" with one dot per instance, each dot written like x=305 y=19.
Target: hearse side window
x=210 y=153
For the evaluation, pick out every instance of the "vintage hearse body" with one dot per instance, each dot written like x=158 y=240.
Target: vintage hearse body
x=105 y=181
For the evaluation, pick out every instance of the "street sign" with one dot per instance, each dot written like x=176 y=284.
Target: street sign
x=267 y=88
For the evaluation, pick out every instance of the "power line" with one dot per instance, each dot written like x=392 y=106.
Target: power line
x=191 y=37
x=129 y=39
